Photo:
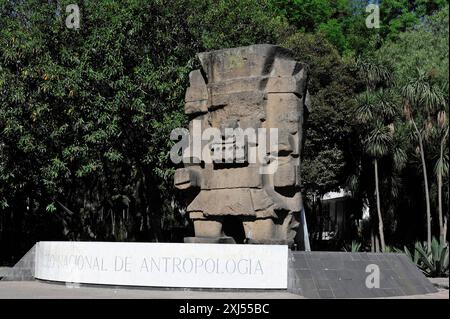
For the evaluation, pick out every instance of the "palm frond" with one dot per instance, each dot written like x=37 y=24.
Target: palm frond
x=365 y=104
x=379 y=141
x=399 y=158
x=421 y=91
x=441 y=166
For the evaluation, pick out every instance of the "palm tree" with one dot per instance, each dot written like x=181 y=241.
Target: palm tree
x=421 y=94
x=377 y=111
x=374 y=74
x=442 y=169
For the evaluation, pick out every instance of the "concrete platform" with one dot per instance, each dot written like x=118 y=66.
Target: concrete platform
x=441 y=283
x=344 y=275
x=45 y=290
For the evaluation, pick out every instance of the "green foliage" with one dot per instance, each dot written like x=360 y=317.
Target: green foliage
x=419 y=58
x=442 y=163
x=86 y=114
x=377 y=108
x=389 y=249
x=434 y=261
x=343 y=22
x=426 y=47
x=306 y=14
x=229 y=23
x=334 y=33
x=328 y=133
x=354 y=247
x=415 y=256
x=422 y=92
x=378 y=179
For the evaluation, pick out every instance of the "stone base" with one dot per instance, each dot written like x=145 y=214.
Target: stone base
x=269 y=242
x=230 y=240
x=23 y=270
x=344 y=275
x=209 y=240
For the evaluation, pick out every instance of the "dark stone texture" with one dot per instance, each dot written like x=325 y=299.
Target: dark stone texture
x=343 y=275
x=209 y=240
x=4 y=271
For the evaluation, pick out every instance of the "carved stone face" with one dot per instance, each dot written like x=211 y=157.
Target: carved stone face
x=249 y=88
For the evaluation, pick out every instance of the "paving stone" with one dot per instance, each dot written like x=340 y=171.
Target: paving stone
x=305 y=274
x=331 y=274
x=316 y=264
x=326 y=293
x=355 y=256
x=300 y=263
x=334 y=263
x=345 y=275
x=322 y=284
x=372 y=256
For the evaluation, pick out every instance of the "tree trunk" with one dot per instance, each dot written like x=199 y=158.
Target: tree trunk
x=377 y=243
x=321 y=221
x=441 y=222
x=425 y=180
x=380 y=217
x=442 y=229
x=372 y=239
x=445 y=226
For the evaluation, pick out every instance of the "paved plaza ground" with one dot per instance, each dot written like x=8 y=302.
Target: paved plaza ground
x=45 y=290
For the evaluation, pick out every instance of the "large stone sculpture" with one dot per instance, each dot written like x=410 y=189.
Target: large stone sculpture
x=258 y=86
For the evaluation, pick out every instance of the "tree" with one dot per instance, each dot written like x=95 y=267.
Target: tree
x=376 y=109
x=441 y=171
x=86 y=114
x=410 y=51
x=327 y=133
x=422 y=95
x=306 y=15
x=343 y=22
x=329 y=137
